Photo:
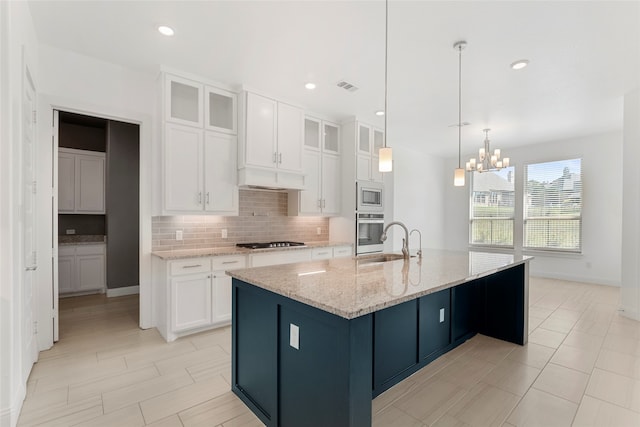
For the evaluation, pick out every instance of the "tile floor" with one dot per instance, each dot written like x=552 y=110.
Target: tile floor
x=581 y=367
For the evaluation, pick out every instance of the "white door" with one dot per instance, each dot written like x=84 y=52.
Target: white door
x=30 y=348
x=220 y=173
x=290 y=137
x=183 y=173
x=55 y=280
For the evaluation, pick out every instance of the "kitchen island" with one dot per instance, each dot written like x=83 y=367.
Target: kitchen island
x=313 y=343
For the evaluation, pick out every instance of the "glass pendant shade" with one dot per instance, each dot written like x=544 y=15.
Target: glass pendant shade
x=385 y=163
x=458 y=177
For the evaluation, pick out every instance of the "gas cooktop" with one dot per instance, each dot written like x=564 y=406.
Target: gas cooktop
x=263 y=245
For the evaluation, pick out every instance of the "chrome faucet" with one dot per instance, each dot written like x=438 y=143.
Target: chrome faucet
x=405 y=241
x=419 y=253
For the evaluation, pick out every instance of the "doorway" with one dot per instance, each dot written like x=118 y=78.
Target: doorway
x=98 y=217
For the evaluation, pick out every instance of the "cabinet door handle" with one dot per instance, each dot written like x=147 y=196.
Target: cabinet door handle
x=230 y=262
x=274 y=157
x=280 y=158
x=323 y=253
x=324 y=203
x=319 y=203
x=200 y=197
x=32 y=268
x=207 y=197
x=192 y=266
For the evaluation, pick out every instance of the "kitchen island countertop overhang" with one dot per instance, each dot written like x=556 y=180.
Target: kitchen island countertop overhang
x=352 y=287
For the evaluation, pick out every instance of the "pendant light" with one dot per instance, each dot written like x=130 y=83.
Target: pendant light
x=385 y=159
x=458 y=176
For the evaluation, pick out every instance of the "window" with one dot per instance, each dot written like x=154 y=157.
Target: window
x=492 y=208
x=553 y=206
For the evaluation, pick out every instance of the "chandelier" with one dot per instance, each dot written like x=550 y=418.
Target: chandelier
x=487 y=161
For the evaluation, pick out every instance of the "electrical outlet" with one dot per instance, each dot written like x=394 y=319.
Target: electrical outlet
x=224 y=233
x=318 y=231
x=178 y=234
x=70 y=231
x=294 y=336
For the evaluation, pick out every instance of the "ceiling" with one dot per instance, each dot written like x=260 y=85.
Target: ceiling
x=584 y=56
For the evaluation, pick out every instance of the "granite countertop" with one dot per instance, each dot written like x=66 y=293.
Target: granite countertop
x=81 y=239
x=233 y=250
x=351 y=287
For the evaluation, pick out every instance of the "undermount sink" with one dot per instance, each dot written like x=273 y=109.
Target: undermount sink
x=365 y=259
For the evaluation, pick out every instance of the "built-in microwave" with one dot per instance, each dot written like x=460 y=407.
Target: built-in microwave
x=369 y=196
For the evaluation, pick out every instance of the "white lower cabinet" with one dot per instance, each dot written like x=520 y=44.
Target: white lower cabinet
x=198 y=295
x=190 y=302
x=81 y=268
x=195 y=294
x=342 y=251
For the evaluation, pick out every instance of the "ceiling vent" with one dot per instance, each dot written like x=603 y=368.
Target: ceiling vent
x=347 y=86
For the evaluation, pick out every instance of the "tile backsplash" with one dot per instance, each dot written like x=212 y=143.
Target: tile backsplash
x=262 y=218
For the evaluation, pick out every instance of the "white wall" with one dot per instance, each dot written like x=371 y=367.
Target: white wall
x=418 y=193
x=82 y=84
x=601 y=156
x=17 y=35
x=630 y=292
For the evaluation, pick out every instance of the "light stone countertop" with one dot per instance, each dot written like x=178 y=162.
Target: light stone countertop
x=349 y=287
x=233 y=250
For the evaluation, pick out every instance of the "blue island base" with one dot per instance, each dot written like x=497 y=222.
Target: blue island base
x=341 y=364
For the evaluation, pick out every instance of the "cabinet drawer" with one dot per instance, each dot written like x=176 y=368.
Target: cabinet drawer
x=100 y=249
x=228 y=262
x=190 y=266
x=66 y=250
x=342 y=251
x=321 y=253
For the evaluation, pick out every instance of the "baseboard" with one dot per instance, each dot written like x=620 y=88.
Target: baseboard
x=631 y=314
x=125 y=290
x=571 y=278
x=9 y=416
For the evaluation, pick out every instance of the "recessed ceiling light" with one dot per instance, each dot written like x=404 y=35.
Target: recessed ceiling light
x=310 y=86
x=379 y=113
x=520 y=64
x=165 y=31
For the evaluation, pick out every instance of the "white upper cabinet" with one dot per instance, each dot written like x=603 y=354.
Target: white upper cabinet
x=271 y=143
x=366 y=142
x=200 y=148
x=220 y=173
x=183 y=163
x=183 y=103
x=81 y=181
x=66 y=182
x=321 y=165
x=220 y=110
x=364 y=139
x=200 y=171
x=331 y=138
x=290 y=137
x=261 y=132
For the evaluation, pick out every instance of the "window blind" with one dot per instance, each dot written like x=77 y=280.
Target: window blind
x=492 y=208
x=553 y=206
